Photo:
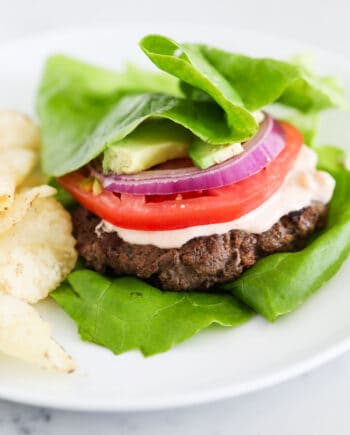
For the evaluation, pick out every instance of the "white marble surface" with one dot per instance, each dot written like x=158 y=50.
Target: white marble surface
x=316 y=403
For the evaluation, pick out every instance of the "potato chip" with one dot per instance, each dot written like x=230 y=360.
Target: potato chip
x=21 y=204
x=18 y=131
x=24 y=335
x=15 y=165
x=38 y=252
x=36 y=246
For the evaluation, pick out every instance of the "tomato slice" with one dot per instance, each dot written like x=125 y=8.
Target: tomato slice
x=165 y=212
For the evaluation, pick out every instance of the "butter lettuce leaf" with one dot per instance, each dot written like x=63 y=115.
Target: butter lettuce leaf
x=126 y=313
x=189 y=63
x=73 y=100
x=244 y=81
x=84 y=109
x=278 y=284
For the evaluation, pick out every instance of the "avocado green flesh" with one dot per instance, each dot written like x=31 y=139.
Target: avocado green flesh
x=153 y=142
x=205 y=155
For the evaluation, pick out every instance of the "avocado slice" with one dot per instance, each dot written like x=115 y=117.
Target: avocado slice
x=204 y=154
x=153 y=142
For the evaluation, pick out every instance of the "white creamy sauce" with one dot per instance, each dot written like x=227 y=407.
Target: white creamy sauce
x=302 y=185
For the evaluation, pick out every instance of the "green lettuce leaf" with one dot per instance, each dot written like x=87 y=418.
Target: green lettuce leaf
x=73 y=100
x=84 y=109
x=331 y=159
x=237 y=80
x=189 y=63
x=278 y=284
x=125 y=313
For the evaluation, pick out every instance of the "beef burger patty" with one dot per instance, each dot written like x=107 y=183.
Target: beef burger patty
x=201 y=262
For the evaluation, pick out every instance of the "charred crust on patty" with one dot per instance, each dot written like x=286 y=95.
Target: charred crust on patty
x=201 y=262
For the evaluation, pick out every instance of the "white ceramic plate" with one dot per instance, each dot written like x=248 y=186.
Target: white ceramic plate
x=219 y=362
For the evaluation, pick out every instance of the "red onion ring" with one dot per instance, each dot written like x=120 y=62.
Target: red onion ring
x=258 y=153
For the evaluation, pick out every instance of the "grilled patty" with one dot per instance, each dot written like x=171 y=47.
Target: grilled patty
x=202 y=261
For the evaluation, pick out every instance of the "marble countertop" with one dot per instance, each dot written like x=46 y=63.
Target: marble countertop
x=316 y=403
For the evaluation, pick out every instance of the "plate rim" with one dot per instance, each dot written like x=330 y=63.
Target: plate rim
x=181 y=401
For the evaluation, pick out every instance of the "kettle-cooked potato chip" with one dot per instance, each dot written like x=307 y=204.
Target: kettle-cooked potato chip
x=24 y=335
x=15 y=166
x=22 y=203
x=36 y=246
x=19 y=144
x=38 y=252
